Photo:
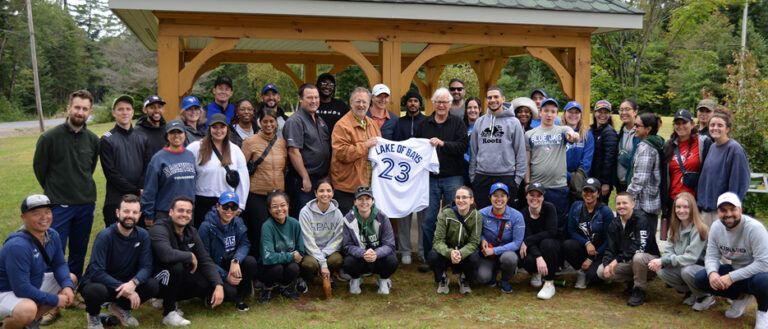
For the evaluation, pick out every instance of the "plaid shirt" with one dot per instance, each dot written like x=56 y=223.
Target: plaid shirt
x=644 y=185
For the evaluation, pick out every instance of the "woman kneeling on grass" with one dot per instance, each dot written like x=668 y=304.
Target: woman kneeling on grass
x=684 y=253
x=321 y=226
x=503 y=230
x=457 y=236
x=368 y=243
x=282 y=249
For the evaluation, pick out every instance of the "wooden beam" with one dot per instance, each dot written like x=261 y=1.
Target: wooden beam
x=426 y=54
x=346 y=48
x=477 y=54
x=390 y=72
x=582 y=76
x=209 y=65
x=188 y=73
x=548 y=57
x=282 y=67
x=488 y=72
x=337 y=68
x=168 y=74
x=310 y=72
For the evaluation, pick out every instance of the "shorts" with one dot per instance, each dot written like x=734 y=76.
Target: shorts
x=8 y=299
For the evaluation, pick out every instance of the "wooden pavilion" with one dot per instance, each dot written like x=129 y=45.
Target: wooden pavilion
x=390 y=40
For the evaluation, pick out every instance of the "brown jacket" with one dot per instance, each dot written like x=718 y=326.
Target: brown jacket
x=350 y=167
x=270 y=174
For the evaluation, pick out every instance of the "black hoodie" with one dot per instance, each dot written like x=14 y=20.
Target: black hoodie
x=169 y=248
x=155 y=135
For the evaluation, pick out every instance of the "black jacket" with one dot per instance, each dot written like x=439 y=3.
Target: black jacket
x=124 y=158
x=454 y=133
x=638 y=236
x=155 y=135
x=606 y=151
x=408 y=126
x=169 y=249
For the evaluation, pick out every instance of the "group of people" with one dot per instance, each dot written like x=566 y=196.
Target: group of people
x=211 y=205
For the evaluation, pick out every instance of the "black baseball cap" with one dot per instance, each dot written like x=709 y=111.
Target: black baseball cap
x=363 y=190
x=152 y=100
x=223 y=81
x=535 y=187
x=591 y=184
x=35 y=201
x=684 y=115
x=174 y=125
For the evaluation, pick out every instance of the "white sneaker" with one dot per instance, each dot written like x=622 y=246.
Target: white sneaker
x=406 y=259
x=581 y=280
x=156 y=303
x=384 y=285
x=547 y=291
x=354 y=286
x=690 y=300
x=464 y=287
x=704 y=303
x=442 y=286
x=738 y=307
x=536 y=280
x=761 y=320
x=173 y=319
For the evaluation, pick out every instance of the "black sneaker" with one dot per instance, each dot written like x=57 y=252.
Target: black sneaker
x=629 y=289
x=289 y=293
x=265 y=296
x=424 y=268
x=242 y=307
x=301 y=286
x=637 y=298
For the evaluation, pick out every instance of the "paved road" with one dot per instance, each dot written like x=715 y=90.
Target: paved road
x=30 y=124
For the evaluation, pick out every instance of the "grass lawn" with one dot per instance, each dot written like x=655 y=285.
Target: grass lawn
x=413 y=302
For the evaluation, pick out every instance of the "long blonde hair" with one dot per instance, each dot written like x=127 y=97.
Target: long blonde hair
x=674 y=222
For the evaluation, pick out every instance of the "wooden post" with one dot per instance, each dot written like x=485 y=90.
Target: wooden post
x=390 y=72
x=488 y=72
x=310 y=73
x=35 y=74
x=583 y=71
x=548 y=57
x=168 y=74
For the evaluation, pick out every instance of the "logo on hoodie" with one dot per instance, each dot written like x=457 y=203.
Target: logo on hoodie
x=492 y=135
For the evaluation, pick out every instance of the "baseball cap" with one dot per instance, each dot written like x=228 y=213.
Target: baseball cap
x=218 y=118
x=174 y=125
x=223 y=81
x=268 y=87
x=707 y=103
x=228 y=197
x=535 y=187
x=603 y=104
x=363 y=190
x=152 y=100
x=591 y=184
x=189 y=101
x=539 y=91
x=572 y=105
x=381 y=89
x=729 y=197
x=550 y=100
x=498 y=186
x=35 y=201
x=683 y=114
x=122 y=98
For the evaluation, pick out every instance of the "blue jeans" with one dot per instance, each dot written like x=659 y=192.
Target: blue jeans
x=74 y=221
x=440 y=188
x=559 y=197
x=756 y=286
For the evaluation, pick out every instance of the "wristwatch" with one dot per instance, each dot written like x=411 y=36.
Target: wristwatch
x=135 y=281
x=235 y=261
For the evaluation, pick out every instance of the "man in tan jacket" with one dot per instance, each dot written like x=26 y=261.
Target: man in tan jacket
x=352 y=136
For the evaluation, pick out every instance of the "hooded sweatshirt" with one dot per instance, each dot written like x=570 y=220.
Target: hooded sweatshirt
x=322 y=231
x=155 y=135
x=497 y=145
x=512 y=225
x=645 y=175
x=224 y=242
x=381 y=239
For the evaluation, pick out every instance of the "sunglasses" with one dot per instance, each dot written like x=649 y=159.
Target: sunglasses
x=456 y=88
x=230 y=207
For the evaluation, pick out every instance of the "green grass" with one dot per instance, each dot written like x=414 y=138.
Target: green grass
x=413 y=302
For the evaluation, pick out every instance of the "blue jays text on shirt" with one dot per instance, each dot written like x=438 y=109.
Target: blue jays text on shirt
x=544 y=140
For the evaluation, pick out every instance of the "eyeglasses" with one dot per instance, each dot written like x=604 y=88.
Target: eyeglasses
x=442 y=102
x=230 y=207
x=327 y=84
x=456 y=88
x=639 y=126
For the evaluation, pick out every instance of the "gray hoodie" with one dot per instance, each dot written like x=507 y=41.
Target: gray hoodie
x=322 y=231
x=497 y=145
x=746 y=246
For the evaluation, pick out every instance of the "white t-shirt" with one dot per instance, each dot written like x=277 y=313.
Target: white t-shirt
x=400 y=179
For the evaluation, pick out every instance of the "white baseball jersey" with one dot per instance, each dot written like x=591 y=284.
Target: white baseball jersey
x=400 y=179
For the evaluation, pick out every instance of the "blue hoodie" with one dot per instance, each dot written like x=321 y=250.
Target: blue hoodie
x=216 y=237
x=579 y=155
x=513 y=226
x=22 y=267
x=594 y=230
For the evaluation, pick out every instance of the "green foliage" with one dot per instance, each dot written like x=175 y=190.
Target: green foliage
x=10 y=111
x=347 y=80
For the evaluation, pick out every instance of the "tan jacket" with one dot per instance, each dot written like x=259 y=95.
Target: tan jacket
x=350 y=167
x=270 y=174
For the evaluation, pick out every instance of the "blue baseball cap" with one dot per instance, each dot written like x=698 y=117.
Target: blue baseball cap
x=550 y=100
x=572 y=105
x=228 y=197
x=268 y=87
x=189 y=101
x=499 y=186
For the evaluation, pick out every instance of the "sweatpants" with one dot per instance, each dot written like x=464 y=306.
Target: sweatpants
x=248 y=268
x=203 y=204
x=254 y=215
x=176 y=283
x=383 y=266
x=482 y=185
x=757 y=286
x=636 y=270
x=96 y=294
x=279 y=274
x=550 y=250
x=575 y=254
x=310 y=267
x=404 y=244
x=489 y=266
x=440 y=265
x=682 y=278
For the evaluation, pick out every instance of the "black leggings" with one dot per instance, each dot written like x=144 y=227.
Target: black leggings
x=254 y=216
x=248 y=270
x=176 y=283
x=575 y=254
x=550 y=250
x=384 y=266
x=96 y=294
x=282 y=274
x=440 y=265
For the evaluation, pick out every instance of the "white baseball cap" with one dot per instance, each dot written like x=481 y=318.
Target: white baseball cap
x=381 y=89
x=729 y=197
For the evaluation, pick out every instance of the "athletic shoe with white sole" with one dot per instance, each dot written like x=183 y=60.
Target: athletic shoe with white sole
x=173 y=319
x=738 y=307
x=547 y=291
